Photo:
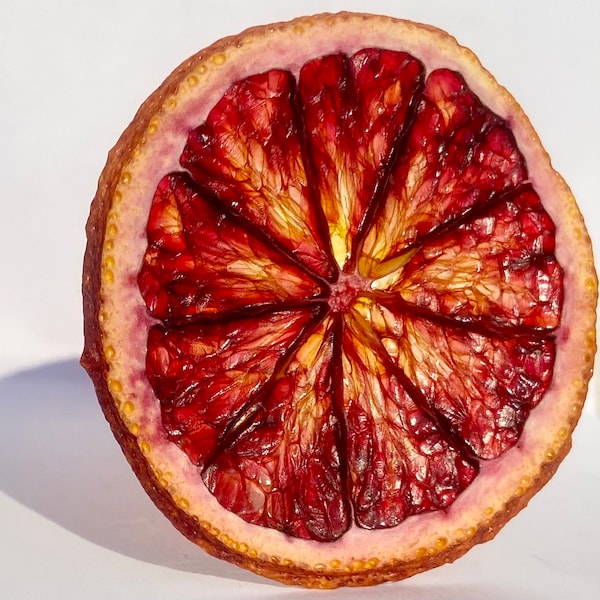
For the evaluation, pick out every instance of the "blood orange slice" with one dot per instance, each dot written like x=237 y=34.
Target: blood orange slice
x=339 y=307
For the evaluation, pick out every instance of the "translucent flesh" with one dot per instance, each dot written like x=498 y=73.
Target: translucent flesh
x=357 y=294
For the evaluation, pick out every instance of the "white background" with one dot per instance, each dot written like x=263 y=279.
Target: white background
x=73 y=520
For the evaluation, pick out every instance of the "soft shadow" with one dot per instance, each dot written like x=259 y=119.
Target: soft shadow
x=58 y=457
x=421 y=588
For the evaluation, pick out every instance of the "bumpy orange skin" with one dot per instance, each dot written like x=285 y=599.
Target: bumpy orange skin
x=94 y=358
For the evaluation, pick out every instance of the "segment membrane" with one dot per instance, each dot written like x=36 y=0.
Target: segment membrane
x=399 y=460
x=205 y=375
x=201 y=262
x=354 y=110
x=283 y=471
x=458 y=154
x=481 y=386
x=496 y=270
x=248 y=153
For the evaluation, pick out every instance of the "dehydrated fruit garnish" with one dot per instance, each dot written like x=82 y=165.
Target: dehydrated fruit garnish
x=339 y=307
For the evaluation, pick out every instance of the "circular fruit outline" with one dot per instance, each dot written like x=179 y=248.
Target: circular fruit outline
x=118 y=323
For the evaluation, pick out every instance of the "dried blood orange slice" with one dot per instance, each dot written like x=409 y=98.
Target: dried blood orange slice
x=339 y=307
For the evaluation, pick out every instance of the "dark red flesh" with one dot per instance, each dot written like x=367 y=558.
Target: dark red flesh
x=311 y=393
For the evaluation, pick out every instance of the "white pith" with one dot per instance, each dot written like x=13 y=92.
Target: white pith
x=125 y=321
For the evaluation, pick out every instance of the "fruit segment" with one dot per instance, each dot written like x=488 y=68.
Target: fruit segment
x=458 y=155
x=497 y=270
x=283 y=470
x=400 y=462
x=205 y=375
x=201 y=262
x=248 y=153
x=354 y=109
x=484 y=387
x=481 y=386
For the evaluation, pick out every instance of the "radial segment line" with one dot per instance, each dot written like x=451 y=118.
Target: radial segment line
x=311 y=179
x=338 y=406
x=254 y=411
x=253 y=229
x=482 y=326
x=381 y=187
x=373 y=340
x=481 y=209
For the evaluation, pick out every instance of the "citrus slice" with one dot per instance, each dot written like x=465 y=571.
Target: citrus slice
x=339 y=307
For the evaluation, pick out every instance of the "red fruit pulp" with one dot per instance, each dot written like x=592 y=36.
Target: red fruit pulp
x=356 y=290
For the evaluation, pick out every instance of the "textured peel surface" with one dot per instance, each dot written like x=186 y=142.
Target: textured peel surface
x=357 y=350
